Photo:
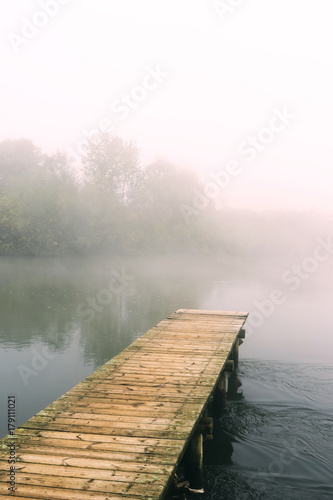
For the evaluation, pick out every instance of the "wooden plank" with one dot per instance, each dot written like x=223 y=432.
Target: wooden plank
x=157 y=454
x=124 y=419
x=49 y=493
x=93 y=463
x=95 y=485
x=90 y=473
x=96 y=403
x=136 y=432
x=95 y=438
x=61 y=449
x=201 y=312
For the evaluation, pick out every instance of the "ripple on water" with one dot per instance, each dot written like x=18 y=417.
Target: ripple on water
x=275 y=442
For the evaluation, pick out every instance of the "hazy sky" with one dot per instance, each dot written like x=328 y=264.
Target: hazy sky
x=201 y=82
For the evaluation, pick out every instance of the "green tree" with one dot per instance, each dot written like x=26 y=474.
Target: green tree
x=112 y=166
x=38 y=201
x=18 y=159
x=158 y=219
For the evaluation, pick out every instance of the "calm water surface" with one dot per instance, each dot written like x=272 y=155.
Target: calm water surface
x=60 y=319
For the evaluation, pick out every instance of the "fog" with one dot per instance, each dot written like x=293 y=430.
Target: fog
x=156 y=156
x=179 y=131
x=198 y=82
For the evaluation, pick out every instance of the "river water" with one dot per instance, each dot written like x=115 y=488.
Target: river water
x=60 y=319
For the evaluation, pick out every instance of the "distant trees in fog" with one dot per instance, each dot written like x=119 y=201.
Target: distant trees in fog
x=113 y=203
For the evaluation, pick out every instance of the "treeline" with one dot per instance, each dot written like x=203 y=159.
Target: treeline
x=111 y=203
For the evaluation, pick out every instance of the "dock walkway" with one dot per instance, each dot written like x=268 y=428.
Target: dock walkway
x=121 y=433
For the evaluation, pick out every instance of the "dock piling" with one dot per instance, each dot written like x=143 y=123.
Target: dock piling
x=220 y=393
x=194 y=462
x=235 y=354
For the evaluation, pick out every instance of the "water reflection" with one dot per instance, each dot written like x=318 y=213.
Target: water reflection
x=47 y=300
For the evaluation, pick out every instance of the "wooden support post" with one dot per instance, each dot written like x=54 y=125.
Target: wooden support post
x=193 y=466
x=205 y=426
x=220 y=393
x=193 y=460
x=229 y=366
x=241 y=334
x=233 y=385
x=235 y=353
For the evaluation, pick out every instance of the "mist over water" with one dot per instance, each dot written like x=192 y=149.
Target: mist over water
x=55 y=331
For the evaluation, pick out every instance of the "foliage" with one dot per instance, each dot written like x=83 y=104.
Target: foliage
x=112 y=166
x=46 y=208
x=114 y=204
x=18 y=159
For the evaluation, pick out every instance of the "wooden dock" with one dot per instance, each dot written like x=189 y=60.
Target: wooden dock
x=122 y=432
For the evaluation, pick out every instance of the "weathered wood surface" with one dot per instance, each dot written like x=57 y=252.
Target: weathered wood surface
x=122 y=432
